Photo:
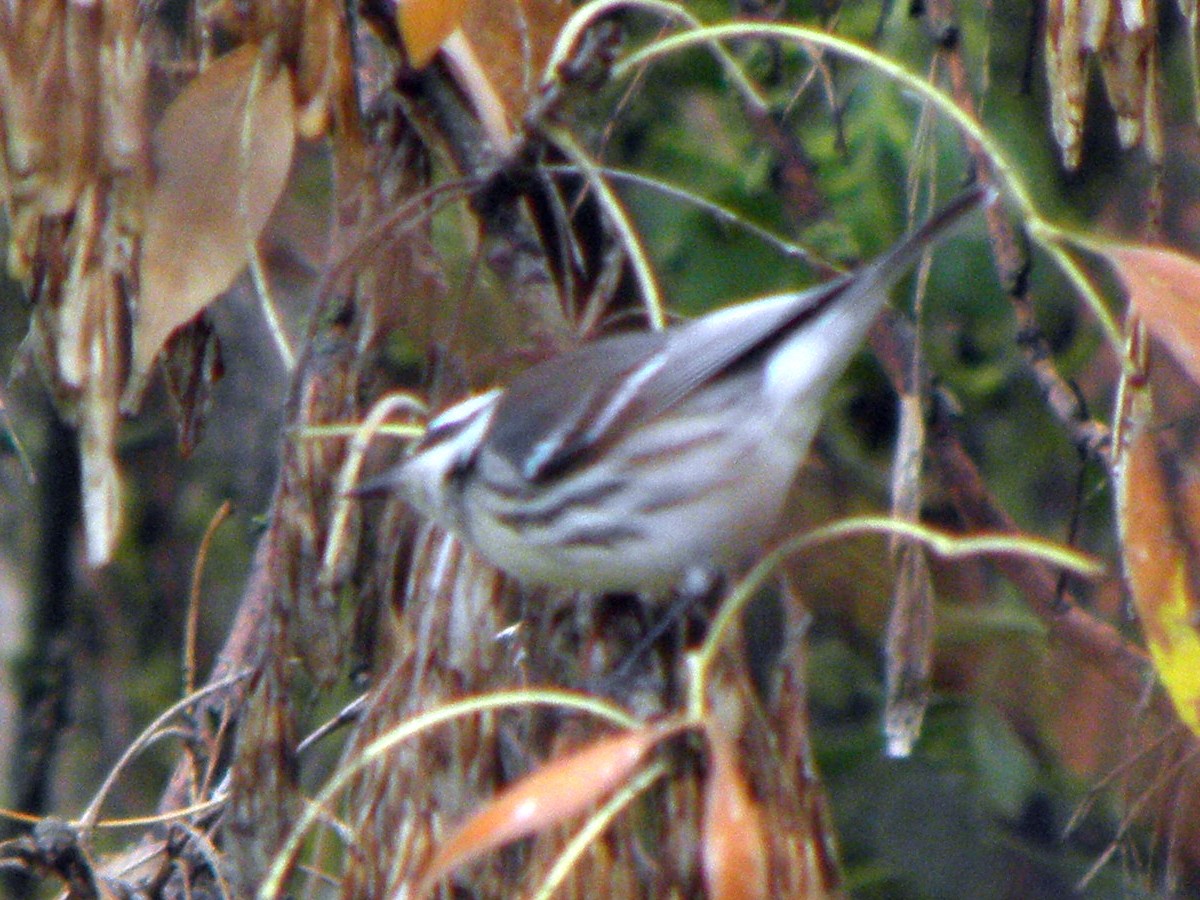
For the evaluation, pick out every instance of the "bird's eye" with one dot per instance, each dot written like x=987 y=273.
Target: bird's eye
x=459 y=470
x=439 y=433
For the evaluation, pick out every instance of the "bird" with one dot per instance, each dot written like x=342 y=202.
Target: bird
x=643 y=461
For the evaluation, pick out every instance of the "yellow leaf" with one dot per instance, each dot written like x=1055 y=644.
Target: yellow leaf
x=1175 y=648
x=222 y=155
x=1158 y=562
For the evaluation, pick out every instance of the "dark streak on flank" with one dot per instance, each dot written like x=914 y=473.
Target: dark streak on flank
x=601 y=536
x=549 y=515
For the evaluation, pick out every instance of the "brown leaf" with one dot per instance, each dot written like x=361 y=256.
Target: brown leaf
x=1125 y=65
x=99 y=473
x=734 y=843
x=320 y=73
x=191 y=367
x=124 y=87
x=1066 y=70
x=425 y=25
x=909 y=649
x=1152 y=115
x=46 y=104
x=1095 y=17
x=85 y=332
x=222 y=153
x=557 y=791
x=909 y=654
x=1164 y=288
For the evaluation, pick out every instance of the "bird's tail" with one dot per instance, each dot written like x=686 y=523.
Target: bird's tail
x=904 y=254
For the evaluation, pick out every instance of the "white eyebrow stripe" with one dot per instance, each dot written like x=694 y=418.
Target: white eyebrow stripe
x=452 y=420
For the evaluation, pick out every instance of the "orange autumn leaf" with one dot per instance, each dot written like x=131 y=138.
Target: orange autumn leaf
x=1164 y=289
x=222 y=155
x=734 y=839
x=1160 y=561
x=512 y=42
x=425 y=25
x=559 y=790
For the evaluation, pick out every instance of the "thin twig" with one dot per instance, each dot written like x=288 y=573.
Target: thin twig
x=150 y=734
x=192 y=624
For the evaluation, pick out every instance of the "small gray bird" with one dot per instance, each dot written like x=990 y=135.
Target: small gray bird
x=640 y=462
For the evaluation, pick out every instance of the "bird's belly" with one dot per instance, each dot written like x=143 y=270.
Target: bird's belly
x=671 y=510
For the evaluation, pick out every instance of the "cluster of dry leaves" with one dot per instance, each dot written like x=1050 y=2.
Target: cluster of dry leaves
x=123 y=233
x=1123 y=36
x=141 y=165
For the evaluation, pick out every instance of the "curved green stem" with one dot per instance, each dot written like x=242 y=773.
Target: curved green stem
x=595 y=826
x=1045 y=234
x=586 y=15
x=620 y=221
x=272 y=885
x=942 y=544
